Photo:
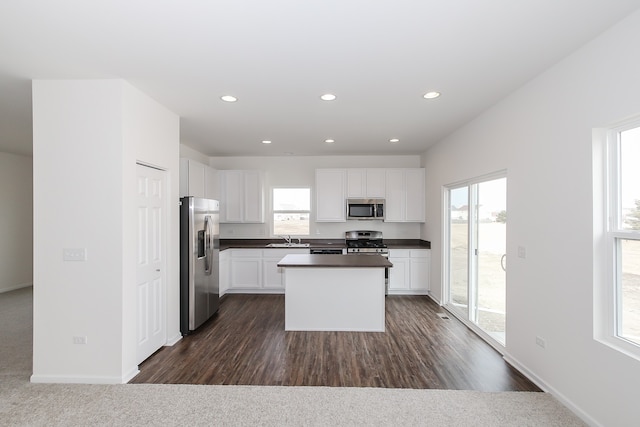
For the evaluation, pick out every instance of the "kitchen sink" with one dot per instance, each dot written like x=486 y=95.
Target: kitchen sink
x=288 y=245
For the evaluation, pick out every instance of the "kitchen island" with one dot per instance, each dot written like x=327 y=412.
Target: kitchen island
x=334 y=292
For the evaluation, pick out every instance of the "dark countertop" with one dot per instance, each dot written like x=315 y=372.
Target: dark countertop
x=336 y=261
x=319 y=243
x=407 y=244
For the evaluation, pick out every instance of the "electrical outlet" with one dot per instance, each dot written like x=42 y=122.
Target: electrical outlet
x=74 y=254
x=522 y=252
x=540 y=342
x=80 y=340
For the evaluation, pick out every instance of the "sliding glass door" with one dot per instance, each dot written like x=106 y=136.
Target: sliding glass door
x=459 y=248
x=476 y=245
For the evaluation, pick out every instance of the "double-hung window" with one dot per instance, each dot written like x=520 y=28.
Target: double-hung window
x=291 y=210
x=621 y=322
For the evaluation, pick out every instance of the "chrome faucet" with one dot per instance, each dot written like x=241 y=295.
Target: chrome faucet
x=287 y=238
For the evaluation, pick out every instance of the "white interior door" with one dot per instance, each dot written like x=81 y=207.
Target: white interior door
x=151 y=270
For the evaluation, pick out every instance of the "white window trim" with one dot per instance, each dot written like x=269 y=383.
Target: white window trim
x=606 y=233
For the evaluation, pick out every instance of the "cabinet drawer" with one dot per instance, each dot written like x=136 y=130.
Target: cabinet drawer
x=247 y=253
x=420 y=253
x=399 y=253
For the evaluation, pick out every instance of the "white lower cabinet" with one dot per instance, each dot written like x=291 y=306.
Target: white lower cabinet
x=272 y=275
x=410 y=272
x=399 y=274
x=225 y=259
x=256 y=270
x=246 y=271
x=420 y=260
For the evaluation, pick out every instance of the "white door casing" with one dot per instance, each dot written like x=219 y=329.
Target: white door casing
x=151 y=262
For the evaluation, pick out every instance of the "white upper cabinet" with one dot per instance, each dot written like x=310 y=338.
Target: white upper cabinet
x=402 y=189
x=231 y=195
x=241 y=196
x=198 y=180
x=395 y=196
x=211 y=185
x=330 y=195
x=415 y=200
x=366 y=183
x=253 y=196
x=191 y=178
x=404 y=200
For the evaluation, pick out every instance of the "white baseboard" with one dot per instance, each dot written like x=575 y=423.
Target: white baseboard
x=430 y=295
x=129 y=376
x=552 y=391
x=15 y=287
x=75 y=379
x=254 y=291
x=171 y=341
x=78 y=379
x=407 y=292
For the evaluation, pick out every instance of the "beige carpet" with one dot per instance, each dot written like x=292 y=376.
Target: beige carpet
x=26 y=404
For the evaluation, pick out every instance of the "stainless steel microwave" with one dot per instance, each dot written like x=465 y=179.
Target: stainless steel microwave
x=365 y=209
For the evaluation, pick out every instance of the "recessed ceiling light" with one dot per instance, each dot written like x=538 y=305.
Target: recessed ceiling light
x=431 y=95
x=266 y=141
x=329 y=141
x=328 y=97
x=394 y=140
x=228 y=98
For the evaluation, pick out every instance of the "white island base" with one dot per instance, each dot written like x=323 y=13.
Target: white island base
x=334 y=299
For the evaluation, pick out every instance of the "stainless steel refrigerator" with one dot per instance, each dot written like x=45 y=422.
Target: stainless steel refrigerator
x=199 y=256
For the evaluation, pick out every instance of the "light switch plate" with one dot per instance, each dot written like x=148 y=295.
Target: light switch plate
x=74 y=254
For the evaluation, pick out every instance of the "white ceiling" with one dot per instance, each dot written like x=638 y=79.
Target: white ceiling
x=278 y=56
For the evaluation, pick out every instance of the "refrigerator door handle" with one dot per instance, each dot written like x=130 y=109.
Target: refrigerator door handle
x=207 y=245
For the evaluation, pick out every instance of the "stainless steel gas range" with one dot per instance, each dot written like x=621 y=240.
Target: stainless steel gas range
x=367 y=242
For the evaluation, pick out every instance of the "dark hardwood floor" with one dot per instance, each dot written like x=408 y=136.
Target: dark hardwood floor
x=245 y=343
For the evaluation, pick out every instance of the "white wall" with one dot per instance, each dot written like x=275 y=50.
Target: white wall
x=88 y=136
x=299 y=171
x=190 y=153
x=16 y=222
x=151 y=137
x=541 y=135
